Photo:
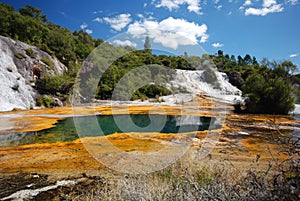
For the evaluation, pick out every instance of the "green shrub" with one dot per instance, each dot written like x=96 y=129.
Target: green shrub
x=55 y=84
x=44 y=101
x=47 y=100
x=268 y=95
x=49 y=63
x=29 y=52
x=20 y=55
x=39 y=101
x=152 y=91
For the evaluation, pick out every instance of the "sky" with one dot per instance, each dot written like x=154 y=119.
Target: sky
x=262 y=28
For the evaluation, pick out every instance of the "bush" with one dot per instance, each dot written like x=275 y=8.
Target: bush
x=268 y=95
x=55 y=84
x=44 y=101
x=29 y=52
x=20 y=55
x=49 y=63
x=152 y=91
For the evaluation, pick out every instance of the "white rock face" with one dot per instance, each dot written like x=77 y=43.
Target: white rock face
x=16 y=74
x=193 y=83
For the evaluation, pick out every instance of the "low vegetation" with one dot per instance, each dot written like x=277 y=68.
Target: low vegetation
x=45 y=101
x=189 y=179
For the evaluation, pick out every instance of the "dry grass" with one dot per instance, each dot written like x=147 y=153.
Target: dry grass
x=190 y=180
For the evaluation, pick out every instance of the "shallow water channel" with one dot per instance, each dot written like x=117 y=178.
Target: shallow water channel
x=73 y=128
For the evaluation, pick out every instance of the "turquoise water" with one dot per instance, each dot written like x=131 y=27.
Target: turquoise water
x=72 y=128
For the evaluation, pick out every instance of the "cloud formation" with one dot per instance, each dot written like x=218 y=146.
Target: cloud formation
x=292 y=2
x=170 y=32
x=97 y=19
x=293 y=55
x=89 y=31
x=83 y=26
x=119 y=22
x=124 y=43
x=193 y=5
x=268 y=6
x=217 y=45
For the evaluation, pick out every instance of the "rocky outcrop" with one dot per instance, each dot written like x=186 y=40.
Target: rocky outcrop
x=20 y=66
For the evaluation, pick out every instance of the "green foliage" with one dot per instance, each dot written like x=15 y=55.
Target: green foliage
x=33 y=12
x=267 y=86
x=268 y=95
x=152 y=91
x=55 y=84
x=47 y=61
x=29 y=25
x=29 y=52
x=44 y=101
x=20 y=55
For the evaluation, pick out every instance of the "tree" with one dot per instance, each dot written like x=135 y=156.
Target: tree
x=33 y=12
x=268 y=94
x=147 y=44
x=220 y=53
x=232 y=58
x=241 y=61
x=248 y=60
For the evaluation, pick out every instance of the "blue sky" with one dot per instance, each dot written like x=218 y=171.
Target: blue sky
x=262 y=28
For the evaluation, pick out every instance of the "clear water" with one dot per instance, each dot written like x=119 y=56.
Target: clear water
x=66 y=130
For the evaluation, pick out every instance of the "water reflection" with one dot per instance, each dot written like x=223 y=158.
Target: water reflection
x=65 y=130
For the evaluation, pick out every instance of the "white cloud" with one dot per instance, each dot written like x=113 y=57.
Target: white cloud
x=264 y=11
x=140 y=15
x=83 y=26
x=89 y=31
x=170 y=32
x=217 y=45
x=292 y=2
x=219 y=7
x=269 y=3
x=124 y=43
x=293 y=55
x=97 y=19
x=119 y=22
x=193 y=5
x=247 y=3
x=268 y=6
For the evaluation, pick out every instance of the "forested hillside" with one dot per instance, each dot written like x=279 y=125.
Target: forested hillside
x=270 y=87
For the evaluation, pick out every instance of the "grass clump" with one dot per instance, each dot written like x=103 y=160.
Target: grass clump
x=20 y=55
x=45 y=101
x=48 y=62
x=29 y=52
